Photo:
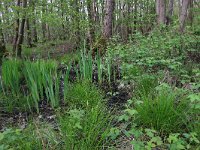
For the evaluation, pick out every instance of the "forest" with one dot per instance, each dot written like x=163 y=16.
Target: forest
x=99 y=74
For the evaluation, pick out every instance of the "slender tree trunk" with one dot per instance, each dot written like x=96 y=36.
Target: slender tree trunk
x=135 y=16
x=29 y=40
x=190 y=15
x=43 y=23
x=91 y=21
x=170 y=12
x=35 y=37
x=160 y=11
x=2 y=42
x=21 y=32
x=16 y=28
x=183 y=14
x=129 y=31
x=109 y=9
x=77 y=21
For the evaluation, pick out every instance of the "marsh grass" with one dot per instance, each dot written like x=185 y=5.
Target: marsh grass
x=86 y=65
x=99 y=68
x=165 y=112
x=83 y=94
x=85 y=129
x=11 y=76
x=146 y=85
x=41 y=78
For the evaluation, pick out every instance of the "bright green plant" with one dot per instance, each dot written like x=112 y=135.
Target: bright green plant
x=41 y=77
x=165 y=111
x=99 y=68
x=146 y=84
x=83 y=94
x=11 y=76
x=85 y=129
x=86 y=65
x=66 y=80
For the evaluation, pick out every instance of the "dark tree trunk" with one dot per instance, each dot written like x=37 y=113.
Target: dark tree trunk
x=91 y=22
x=2 y=42
x=135 y=16
x=108 y=20
x=43 y=23
x=170 y=12
x=21 y=32
x=34 y=27
x=16 y=29
x=190 y=15
x=29 y=40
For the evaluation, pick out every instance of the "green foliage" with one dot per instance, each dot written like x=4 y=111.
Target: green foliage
x=85 y=129
x=165 y=111
x=11 y=76
x=10 y=139
x=83 y=94
x=146 y=85
x=41 y=77
x=35 y=136
x=86 y=65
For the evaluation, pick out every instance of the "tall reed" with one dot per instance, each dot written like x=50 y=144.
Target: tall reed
x=11 y=76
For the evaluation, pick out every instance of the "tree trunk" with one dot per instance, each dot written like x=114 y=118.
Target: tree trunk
x=135 y=15
x=170 y=12
x=43 y=23
x=16 y=28
x=183 y=14
x=2 y=42
x=91 y=14
x=109 y=9
x=29 y=40
x=190 y=15
x=34 y=27
x=160 y=11
x=21 y=32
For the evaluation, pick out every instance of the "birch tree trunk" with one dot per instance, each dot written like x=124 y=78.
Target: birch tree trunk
x=183 y=14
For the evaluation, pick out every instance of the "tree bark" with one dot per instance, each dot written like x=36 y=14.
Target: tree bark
x=135 y=15
x=170 y=12
x=160 y=11
x=34 y=27
x=16 y=28
x=43 y=23
x=2 y=42
x=21 y=32
x=91 y=18
x=190 y=14
x=108 y=20
x=183 y=14
x=29 y=40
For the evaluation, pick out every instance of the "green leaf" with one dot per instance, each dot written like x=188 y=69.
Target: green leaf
x=1 y=136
